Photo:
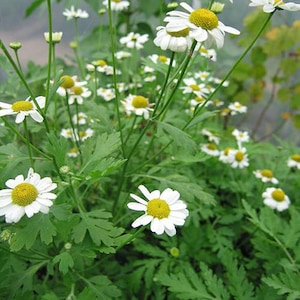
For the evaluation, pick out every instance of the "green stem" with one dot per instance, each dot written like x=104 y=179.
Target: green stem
x=117 y=102
x=165 y=83
x=182 y=73
x=17 y=133
x=50 y=45
x=27 y=138
x=200 y=107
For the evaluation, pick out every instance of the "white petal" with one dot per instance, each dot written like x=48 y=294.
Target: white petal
x=35 y=115
x=157 y=226
x=20 y=117
x=142 y=220
x=15 y=214
x=138 y=199
x=136 y=206
x=186 y=7
x=145 y=191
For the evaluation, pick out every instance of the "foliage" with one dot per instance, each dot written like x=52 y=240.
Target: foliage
x=97 y=151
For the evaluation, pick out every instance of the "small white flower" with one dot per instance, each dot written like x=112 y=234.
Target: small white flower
x=237 y=107
x=270 y=5
x=191 y=86
x=80 y=118
x=276 y=199
x=176 y=41
x=209 y=53
x=56 y=37
x=163 y=210
x=238 y=158
x=294 y=161
x=138 y=105
x=75 y=14
x=226 y=156
x=23 y=109
x=26 y=196
x=122 y=54
x=265 y=176
x=116 y=5
x=74 y=152
x=106 y=94
x=84 y=134
x=241 y=136
x=203 y=24
x=210 y=149
x=134 y=40
x=211 y=137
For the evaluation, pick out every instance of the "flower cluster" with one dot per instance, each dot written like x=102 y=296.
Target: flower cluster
x=200 y=25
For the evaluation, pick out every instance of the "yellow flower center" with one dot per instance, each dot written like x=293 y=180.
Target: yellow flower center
x=204 y=18
x=82 y=134
x=203 y=50
x=267 y=173
x=181 y=33
x=239 y=156
x=139 y=102
x=100 y=63
x=68 y=81
x=296 y=157
x=77 y=90
x=22 y=106
x=199 y=99
x=158 y=208
x=74 y=150
x=162 y=58
x=278 y=195
x=24 y=194
x=212 y=146
x=278 y=2
x=226 y=150
x=194 y=87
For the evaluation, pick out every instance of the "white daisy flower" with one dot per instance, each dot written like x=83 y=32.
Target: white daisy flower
x=211 y=137
x=78 y=94
x=56 y=37
x=276 y=199
x=84 y=134
x=241 y=136
x=163 y=210
x=226 y=155
x=266 y=176
x=203 y=24
x=67 y=133
x=80 y=118
x=161 y=59
x=134 y=40
x=23 y=109
x=74 y=152
x=138 y=105
x=176 y=41
x=117 y=5
x=294 y=161
x=209 y=53
x=106 y=94
x=75 y=14
x=237 y=107
x=270 y=5
x=122 y=54
x=199 y=101
x=26 y=196
x=238 y=158
x=210 y=149
x=191 y=86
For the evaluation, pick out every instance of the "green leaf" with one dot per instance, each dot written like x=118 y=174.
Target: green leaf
x=58 y=146
x=106 y=167
x=100 y=287
x=185 y=285
x=180 y=138
x=38 y=225
x=238 y=284
x=65 y=261
x=99 y=228
x=214 y=284
x=94 y=152
x=285 y=283
x=32 y=7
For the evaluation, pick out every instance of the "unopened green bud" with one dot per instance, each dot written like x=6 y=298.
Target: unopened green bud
x=15 y=45
x=217 y=7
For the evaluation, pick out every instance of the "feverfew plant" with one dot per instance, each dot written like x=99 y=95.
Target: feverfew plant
x=160 y=160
